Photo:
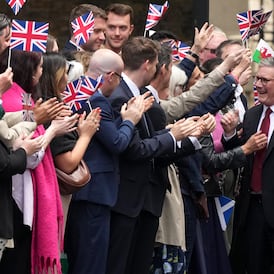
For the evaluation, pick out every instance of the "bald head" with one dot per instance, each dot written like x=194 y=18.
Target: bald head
x=104 y=61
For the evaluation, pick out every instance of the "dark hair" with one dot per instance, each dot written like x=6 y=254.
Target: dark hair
x=164 y=57
x=83 y=9
x=219 y=49
x=121 y=10
x=137 y=50
x=163 y=34
x=4 y=22
x=24 y=65
x=210 y=64
x=54 y=68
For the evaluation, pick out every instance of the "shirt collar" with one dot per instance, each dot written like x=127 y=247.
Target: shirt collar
x=132 y=86
x=154 y=93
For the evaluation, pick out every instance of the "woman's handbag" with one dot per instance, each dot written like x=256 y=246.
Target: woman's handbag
x=70 y=183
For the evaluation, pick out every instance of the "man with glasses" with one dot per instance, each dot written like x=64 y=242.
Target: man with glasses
x=252 y=250
x=209 y=52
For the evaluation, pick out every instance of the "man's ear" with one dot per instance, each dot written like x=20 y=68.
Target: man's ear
x=131 y=28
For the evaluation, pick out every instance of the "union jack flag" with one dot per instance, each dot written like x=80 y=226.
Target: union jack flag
x=251 y=22
x=82 y=28
x=179 y=49
x=244 y=21
x=155 y=13
x=29 y=35
x=71 y=97
x=258 y=21
x=27 y=107
x=16 y=5
x=89 y=86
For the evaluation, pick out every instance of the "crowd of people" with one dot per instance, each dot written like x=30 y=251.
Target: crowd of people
x=162 y=138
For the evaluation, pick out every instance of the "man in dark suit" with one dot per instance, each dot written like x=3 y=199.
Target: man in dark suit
x=131 y=223
x=252 y=248
x=87 y=231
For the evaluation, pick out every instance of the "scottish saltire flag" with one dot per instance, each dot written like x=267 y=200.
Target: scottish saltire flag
x=16 y=5
x=83 y=27
x=29 y=35
x=27 y=107
x=224 y=206
x=155 y=13
x=259 y=19
x=70 y=95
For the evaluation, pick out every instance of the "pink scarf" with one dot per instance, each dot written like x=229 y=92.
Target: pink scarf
x=47 y=234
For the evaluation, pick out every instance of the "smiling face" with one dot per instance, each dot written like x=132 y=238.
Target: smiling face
x=118 y=31
x=97 y=38
x=264 y=84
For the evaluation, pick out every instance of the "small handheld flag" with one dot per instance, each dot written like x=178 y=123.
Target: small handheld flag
x=224 y=206
x=83 y=27
x=27 y=107
x=69 y=96
x=155 y=13
x=89 y=86
x=263 y=50
x=16 y=5
x=251 y=22
x=29 y=35
x=179 y=49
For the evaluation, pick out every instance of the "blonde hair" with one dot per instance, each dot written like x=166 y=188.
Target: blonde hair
x=178 y=78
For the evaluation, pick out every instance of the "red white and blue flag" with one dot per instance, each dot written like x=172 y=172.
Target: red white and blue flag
x=155 y=13
x=70 y=95
x=16 y=5
x=83 y=27
x=89 y=86
x=179 y=49
x=27 y=107
x=29 y=35
x=251 y=22
x=258 y=21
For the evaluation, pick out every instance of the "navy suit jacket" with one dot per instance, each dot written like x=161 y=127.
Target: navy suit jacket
x=137 y=161
x=102 y=154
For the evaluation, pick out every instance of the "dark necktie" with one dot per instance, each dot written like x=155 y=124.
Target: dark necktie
x=256 y=180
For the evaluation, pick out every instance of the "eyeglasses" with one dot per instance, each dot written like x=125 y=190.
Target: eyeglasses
x=263 y=80
x=212 y=51
x=119 y=75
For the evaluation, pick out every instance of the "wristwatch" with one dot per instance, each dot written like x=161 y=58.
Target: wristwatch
x=194 y=55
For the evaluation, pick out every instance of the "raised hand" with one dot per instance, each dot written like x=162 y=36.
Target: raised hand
x=257 y=141
x=88 y=125
x=231 y=61
x=187 y=127
x=209 y=123
x=229 y=122
x=133 y=109
x=47 y=111
x=28 y=144
x=202 y=37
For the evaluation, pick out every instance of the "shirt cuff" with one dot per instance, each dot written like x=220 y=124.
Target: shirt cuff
x=230 y=137
x=195 y=142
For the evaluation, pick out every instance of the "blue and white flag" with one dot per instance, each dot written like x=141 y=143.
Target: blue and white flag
x=224 y=206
